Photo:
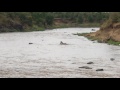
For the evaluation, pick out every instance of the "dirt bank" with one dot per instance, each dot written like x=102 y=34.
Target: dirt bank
x=104 y=35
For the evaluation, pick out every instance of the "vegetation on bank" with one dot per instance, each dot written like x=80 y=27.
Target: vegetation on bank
x=39 y=21
x=112 y=42
x=109 y=31
x=112 y=22
x=109 y=42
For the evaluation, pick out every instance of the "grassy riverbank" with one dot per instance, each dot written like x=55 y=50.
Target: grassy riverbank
x=84 y=25
x=109 y=31
x=92 y=38
x=38 y=28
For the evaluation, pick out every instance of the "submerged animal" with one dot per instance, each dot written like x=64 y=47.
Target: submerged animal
x=61 y=43
x=30 y=43
x=93 y=29
x=100 y=70
x=86 y=67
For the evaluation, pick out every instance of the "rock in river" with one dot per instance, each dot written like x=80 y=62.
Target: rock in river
x=112 y=59
x=90 y=63
x=85 y=67
x=100 y=70
x=30 y=43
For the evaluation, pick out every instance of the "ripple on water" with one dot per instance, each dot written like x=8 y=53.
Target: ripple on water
x=46 y=58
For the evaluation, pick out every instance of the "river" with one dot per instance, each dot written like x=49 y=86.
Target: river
x=46 y=58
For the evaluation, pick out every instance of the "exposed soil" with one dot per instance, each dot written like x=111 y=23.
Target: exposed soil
x=112 y=33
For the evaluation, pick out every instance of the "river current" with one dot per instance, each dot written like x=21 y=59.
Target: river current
x=46 y=58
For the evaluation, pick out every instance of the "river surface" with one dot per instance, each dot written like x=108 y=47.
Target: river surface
x=46 y=58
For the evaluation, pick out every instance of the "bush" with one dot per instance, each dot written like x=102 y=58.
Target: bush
x=107 y=24
x=115 y=17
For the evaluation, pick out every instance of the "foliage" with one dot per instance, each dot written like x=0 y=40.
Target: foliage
x=25 y=21
x=111 y=42
x=114 y=17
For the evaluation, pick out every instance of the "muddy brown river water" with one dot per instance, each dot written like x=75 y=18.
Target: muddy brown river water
x=46 y=58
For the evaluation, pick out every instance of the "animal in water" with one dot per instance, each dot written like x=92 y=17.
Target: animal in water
x=100 y=70
x=112 y=59
x=86 y=67
x=61 y=43
x=93 y=29
x=90 y=63
x=30 y=43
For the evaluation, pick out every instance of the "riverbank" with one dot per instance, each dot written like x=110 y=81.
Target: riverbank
x=39 y=21
x=54 y=26
x=109 y=36
x=83 y=25
x=17 y=29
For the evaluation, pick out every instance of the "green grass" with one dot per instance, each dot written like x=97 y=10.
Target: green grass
x=92 y=38
x=85 y=34
x=84 y=25
x=63 y=26
x=89 y=25
x=80 y=34
x=42 y=28
x=111 y=42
